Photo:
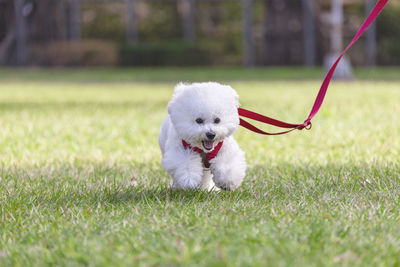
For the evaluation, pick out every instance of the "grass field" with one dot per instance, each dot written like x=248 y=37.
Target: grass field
x=81 y=181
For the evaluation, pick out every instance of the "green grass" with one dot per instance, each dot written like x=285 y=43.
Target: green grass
x=81 y=181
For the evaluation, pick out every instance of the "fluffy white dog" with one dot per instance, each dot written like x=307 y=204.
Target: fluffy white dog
x=198 y=149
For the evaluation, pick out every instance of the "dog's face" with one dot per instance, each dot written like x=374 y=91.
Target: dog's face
x=204 y=114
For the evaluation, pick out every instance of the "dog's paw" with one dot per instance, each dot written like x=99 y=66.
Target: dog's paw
x=224 y=187
x=187 y=182
x=226 y=179
x=227 y=186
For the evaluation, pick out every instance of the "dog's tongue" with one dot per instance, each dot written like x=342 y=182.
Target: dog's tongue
x=208 y=144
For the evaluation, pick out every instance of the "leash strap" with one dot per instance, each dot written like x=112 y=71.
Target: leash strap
x=321 y=94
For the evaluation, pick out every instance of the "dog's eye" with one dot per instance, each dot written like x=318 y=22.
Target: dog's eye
x=199 y=120
x=217 y=120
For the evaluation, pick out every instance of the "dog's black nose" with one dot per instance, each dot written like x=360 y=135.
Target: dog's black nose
x=210 y=135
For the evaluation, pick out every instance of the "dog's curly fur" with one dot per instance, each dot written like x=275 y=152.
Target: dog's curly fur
x=194 y=111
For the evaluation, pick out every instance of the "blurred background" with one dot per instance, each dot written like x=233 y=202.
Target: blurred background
x=80 y=33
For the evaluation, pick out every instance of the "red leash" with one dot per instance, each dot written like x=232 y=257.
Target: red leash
x=321 y=94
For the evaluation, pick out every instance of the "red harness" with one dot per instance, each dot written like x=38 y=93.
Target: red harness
x=205 y=156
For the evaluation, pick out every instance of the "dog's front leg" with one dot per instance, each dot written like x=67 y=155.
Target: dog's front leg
x=185 y=167
x=229 y=167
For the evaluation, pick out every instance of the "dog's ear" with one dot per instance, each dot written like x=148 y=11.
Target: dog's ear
x=179 y=88
x=234 y=95
x=169 y=106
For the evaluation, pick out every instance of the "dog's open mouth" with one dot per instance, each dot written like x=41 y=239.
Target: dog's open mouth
x=208 y=144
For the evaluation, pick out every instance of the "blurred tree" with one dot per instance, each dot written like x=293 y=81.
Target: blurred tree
x=131 y=22
x=309 y=32
x=7 y=31
x=187 y=10
x=108 y=20
x=343 y=69
x=248 y=43
x=371 y=36
x=49 y=21
x=220 y=30
x=36 y=22
x=75 y=20
x=283 y=38
x=158 y=21
x=388 y=35
x=20 y=31
x=283 y=32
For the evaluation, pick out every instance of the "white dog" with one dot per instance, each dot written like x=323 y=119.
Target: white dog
x=198 y=149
